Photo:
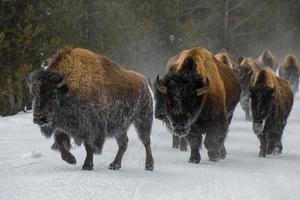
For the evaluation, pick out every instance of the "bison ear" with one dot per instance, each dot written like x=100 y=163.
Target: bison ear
x=203 y=90
x=189 y=64
x=59 y=81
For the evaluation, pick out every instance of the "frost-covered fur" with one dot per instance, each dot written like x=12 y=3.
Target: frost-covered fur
x=90 y=122
x=271 y=103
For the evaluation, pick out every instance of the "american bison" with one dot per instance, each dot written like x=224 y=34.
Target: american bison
x=226 y=58
x=159 y=111
x=271 y=103
x=267 y=59
x=87 y=97
x=289 y=70
x=246 y=71
x=200 y=96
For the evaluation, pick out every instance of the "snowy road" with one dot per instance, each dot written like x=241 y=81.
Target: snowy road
x=30 y=170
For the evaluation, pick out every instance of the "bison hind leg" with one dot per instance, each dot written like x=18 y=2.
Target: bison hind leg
x=122 y=141
x=143 y=126
x=88 y=162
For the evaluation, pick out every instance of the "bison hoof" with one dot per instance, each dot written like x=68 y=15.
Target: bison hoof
x=114 y=166
x=194 y=160
x=175 y=146
x=87 y=167
x=69 y=158
x=183 y=148
x=262 y=154
x=213 y=156
x=222 y=156
x=149 y=168
x=276 y=151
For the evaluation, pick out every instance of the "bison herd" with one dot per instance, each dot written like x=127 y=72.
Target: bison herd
x=86 y=97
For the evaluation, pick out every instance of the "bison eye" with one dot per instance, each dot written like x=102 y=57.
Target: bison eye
x=52 y=96
x=32 y=96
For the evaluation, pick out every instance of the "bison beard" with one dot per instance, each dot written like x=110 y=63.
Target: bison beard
x=67 y=116
x=194 y=101
x=271 y=103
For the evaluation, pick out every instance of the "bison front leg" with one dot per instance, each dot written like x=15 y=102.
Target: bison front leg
x=183 y=145
x=195 y=143
x=214 y=144
x=88 y=162
x=62 y=143
x=245 y=103
x=122 y=141
x=274 y=145
x=263 y=145
x=175 y=142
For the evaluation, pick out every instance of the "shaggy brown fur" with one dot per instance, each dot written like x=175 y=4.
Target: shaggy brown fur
x=290 y=71
x=207 y=67
x=215 y=107
x=267 y=59
x=87 y=97
x=88 y=74
x=224 y=57
x=272 y=100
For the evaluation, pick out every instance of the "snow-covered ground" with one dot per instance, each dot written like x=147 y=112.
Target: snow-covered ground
x=30 y=170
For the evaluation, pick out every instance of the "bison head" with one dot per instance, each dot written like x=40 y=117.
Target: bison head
x=244 y=73
x=261 y=102
x=47 y=90
x=182 y=94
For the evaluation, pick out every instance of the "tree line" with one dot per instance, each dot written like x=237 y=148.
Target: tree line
x=139 y=35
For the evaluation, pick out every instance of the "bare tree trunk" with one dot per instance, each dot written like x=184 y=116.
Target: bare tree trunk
x=10 y=95
x=225 y=41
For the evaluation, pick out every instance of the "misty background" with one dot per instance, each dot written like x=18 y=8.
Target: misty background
x=140 y=35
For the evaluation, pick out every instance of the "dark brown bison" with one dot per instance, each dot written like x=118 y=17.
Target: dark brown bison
x=267 y=59
x=246 y=71
x=87 y=97
x=271 y=103
x=226 y=58
x=290 y=71
x=200 y=95
x=177 y=142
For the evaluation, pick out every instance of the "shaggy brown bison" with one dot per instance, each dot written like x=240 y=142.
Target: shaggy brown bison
x=177 y=142
x=271 y=103
x=290 y=71
x=246 y=71
x=89 y=98
x=200 y=95
x=267 y=59
x=224 y=57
